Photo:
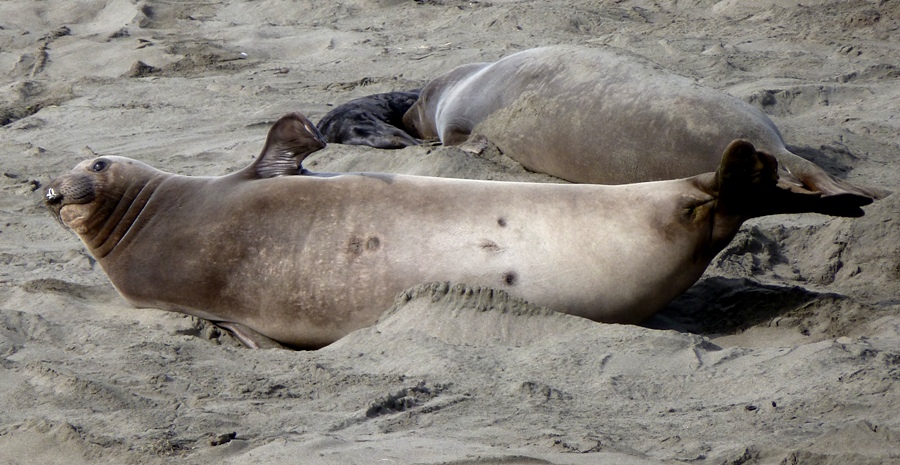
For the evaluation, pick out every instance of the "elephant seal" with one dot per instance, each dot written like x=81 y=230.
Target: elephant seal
x=601 y=116
x=275 y=253
x=375 y=120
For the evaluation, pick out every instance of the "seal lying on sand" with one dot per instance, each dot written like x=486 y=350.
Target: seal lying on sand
x=375 y=120
x=275 y=252
x=600 y=116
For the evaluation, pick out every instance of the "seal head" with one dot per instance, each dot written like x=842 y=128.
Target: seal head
x=100 y=197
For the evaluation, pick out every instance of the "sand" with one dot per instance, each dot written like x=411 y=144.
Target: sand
x=786 y=352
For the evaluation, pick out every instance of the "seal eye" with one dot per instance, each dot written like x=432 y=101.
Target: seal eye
x=99 y=165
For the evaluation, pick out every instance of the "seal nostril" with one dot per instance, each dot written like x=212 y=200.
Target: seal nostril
x=53 y=196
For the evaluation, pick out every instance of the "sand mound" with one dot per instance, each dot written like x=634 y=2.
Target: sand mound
x=458 y=314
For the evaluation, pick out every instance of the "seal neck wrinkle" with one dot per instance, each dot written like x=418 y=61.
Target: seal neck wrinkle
x=123 y=214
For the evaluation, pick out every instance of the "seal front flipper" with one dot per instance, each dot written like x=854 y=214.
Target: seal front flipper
x=376 y=134
x=249 y=337
x=291 y=139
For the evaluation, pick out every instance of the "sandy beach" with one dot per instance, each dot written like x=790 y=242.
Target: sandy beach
x=786 y=352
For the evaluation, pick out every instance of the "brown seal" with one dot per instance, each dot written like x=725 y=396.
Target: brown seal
x=273 y=252
x=601 y=116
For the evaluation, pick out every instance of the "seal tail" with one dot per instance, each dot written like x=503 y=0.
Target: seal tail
x=749 y=186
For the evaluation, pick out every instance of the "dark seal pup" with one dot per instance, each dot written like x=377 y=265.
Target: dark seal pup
x=375 y=120
x=273 y=252
x=602 y=116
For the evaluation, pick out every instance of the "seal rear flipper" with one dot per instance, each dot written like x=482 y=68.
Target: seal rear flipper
x=815 y=179
x=249 y=337
x=291 y=139
x=748 y=186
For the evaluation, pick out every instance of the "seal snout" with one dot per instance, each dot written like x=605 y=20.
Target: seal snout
x=67 y=190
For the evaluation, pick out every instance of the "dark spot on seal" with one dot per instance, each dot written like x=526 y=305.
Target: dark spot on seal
x=373 y=243
x=501 y=222
x=510 y=277
x=357 y=245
